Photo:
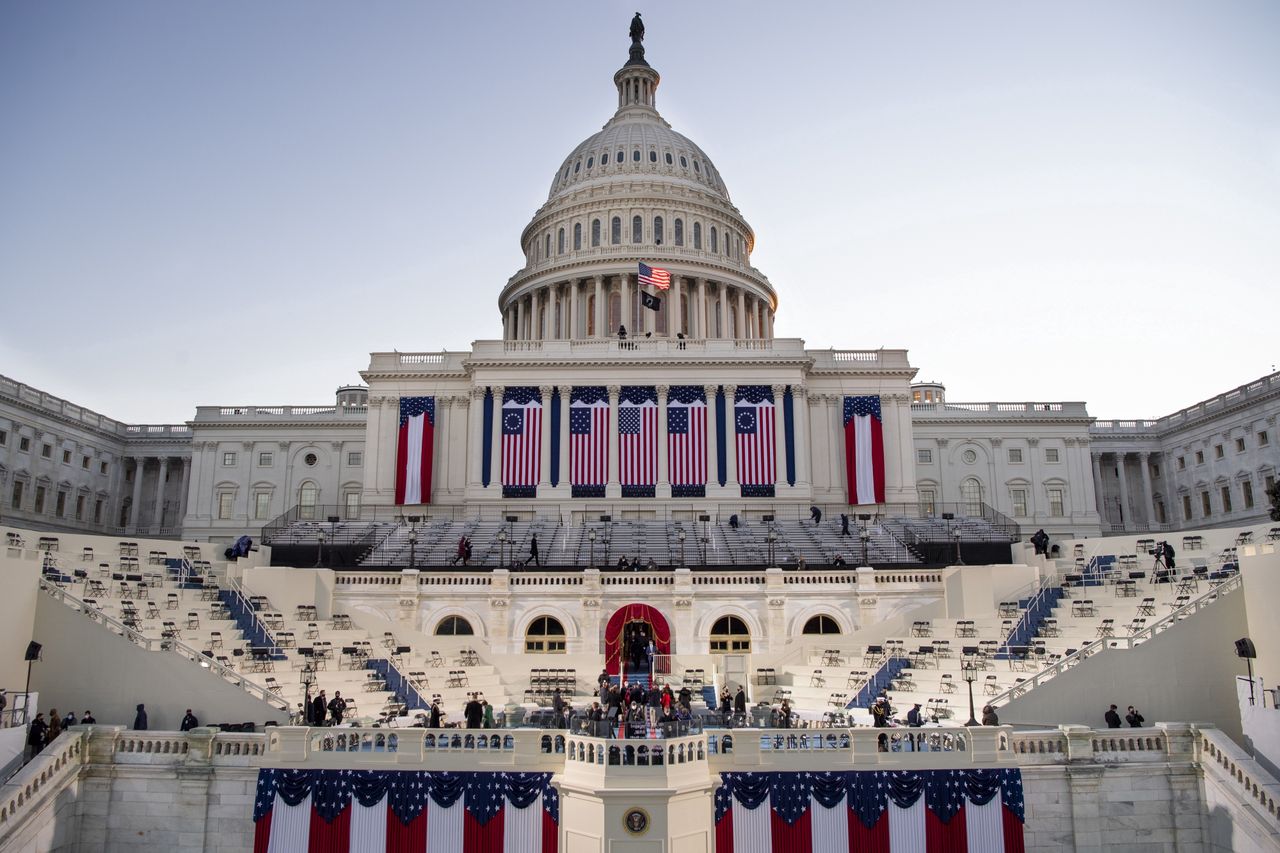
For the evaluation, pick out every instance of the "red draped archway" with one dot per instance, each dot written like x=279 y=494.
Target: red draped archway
x=617 y=624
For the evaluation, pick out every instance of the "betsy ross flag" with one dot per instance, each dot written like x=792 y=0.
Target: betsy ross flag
x=864 y=449
x=638 y=441
x=956 y=811
x=654 y=276
x=753 y=424
x=589 y=441
x=521 y=441
x=415 y=449
x=687 y=440
x=389 y=811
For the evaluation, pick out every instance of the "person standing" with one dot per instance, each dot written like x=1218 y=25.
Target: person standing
x=533 y=550
x=337 y=705
x=37 y=734
x=473 y=712
x=140 y=718
x=87 y=719
x=1134 y=719
x=726 y=706
x=816 y=515
x=189 y=722
x=319 y=708
x=989 y=717
x=1112 y=718
x=55 y=726
x=488 y=713
x=844 y=524
x=434 y=721
x=740 y=704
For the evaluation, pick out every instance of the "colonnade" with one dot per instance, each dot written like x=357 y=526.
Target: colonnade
x=1127 y=520
x=663 y=490
x=580 y=308
x=139 y=467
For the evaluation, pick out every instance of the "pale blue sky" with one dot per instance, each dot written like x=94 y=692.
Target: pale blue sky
x=215 y=203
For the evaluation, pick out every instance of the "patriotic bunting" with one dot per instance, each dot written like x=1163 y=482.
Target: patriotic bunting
x=388 y=811
x=637 y=441
x=521 y=441
x=687 y=441
x=960 y=811
x=753 y=421
x=589 y=441
x=864 y=449
x=414 y=450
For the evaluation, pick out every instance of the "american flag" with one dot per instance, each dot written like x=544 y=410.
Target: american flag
x=413 y=811
x=875 y=811
x=687 y=436
x=589 y=436
x=521 y=436
x=753 y=420
x=637 y=436
x=414 y=450
x=654 y=276
x=864 y=449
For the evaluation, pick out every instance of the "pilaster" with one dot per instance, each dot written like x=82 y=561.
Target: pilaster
x=664 y=479
x=613 y=489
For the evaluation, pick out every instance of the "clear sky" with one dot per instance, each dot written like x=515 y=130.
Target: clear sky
x=217 y=203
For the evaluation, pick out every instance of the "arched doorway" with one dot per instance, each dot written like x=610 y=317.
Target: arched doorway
x=635 y=617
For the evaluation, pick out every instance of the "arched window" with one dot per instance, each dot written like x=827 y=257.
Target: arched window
x=577 y=236
x=637 y=229
x=715 y=310
x=821 y=624
x=971 y=496
x=733 y=320
x=615 y=230
x=679 y=231
x=684 y=314
x=621 y=157
x=729 y=634
x=560 y=242
x=653 y=156
x=697 y=235
x=547 y=251
x=684 y=163
x=577 y=167
x=604 y=159
x=615 y=310
x=591 y=161
x=591 y=316
x=454 y=626
x=715 y=245
x=657 y=230
x=308 y=497
x=668 y=158
x=635 y=156
x=595 y=233
x=545 y=637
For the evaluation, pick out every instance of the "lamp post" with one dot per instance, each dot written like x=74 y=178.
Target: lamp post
x=308 y=679
x=865 y=535
x=413 y=546
x=771 y=538
x=970 y=674
x=502 y=549
x=319 y=548
x=680 y=536
x=956 y=534
x=591 y=534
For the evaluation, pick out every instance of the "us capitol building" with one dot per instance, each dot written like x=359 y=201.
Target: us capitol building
x=637 y=192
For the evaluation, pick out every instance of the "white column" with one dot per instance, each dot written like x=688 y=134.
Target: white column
x=780 y=436
x=700 y=327
x=739 y=329
x=800 y=404
x=720 y=325
x=1099 y=504
x=575 y=296
x=495 y=452
x=675 y=317
x=186 y=486
x=614 y=487
x=135 y=509
x=563 y=438
x=1144 y=459
x=475 y=437
x=626 y=314
x=713 y=429
x=664 y=479
x=601 y=309
x=519 y=335
x=544 y=473
x=1125 y=513
x=157 y=520
x=731 y=441
x=755 y=318
x=442 y=459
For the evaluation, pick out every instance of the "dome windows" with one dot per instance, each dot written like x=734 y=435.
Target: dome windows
x=615 y=230
x=715 y=247
x=679 y=232
x=696 y=167
x=577 y=236
x=591 y=161
x=577 y=167
x=595 y=233
x=637 y=229
x=635 y=156
x=604 y=159
x=621 y=157
x=697 y=236
x=657 y=230
x=560 y=242
x=668 y=158
x=653 y=156
x=684 y=164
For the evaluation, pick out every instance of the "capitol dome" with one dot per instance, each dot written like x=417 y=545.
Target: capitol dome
x=637 y=192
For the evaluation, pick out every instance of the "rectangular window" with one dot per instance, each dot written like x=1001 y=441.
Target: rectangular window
x=102 y=468
x=1186 y=507
x=1263 y=438
x=79 y=507
x=928 y=501
x=262 y=505
x=1226 y=499
x=1155 y=471
x=228 y=459
x=1160 y=514
x=1239 y=445
x=1217 y=451
x=1019 y=497
x=84 y=462
x=1015 y=454
x=66 y=457
x=1182 y=463
x=16 y=501
x=355 y=459
x=353 y=504
x=1270 y=482
x=46 y=451
x=24 y=444
x=39 y=507
x=265 y=460
x=924 y=457
x=97 y=511
x=4 y=437
x=1057 y=506
x=224 y=505
x=1246 y=489
x=1199 y=457
x=1206 y=506
x=60 y=505
x=1051 y=454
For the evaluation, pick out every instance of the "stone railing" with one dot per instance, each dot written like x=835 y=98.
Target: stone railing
x=1129 y=641
x=1000 y=410
x=206 y=414
x=42 y=778
x=67 y=410
x=1235 y=770
x=831 y=749
x=1100 y=746
x=441 y=749
x=152 y=644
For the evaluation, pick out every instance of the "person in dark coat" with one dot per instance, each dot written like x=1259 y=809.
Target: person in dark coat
x=914 y=718
x=337 y=705
x=740 y=702
x=189 y=722
x=319 y=708
x=1134 y=719
x=37 y=734
x=474 y=712
x=87 y=719
x=533 y=551
x=726 y=706
x=816 y=515
x=989 y=717
x=844 y=524
x=1112 y=718
x=685 y=698
x=733 y=521
x=434 y=721
x=140 y=718
x=602 y=684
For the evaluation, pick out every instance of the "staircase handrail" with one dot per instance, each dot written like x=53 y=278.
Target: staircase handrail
x=236 y=587
x=149 y=643
x=1127 y=641
x=1042 y=588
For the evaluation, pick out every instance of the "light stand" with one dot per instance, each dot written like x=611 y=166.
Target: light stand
x=680 y=536
x=771 y=538
x=32 y=655
x=308 y=679
x=502 y=549
x=957 y=534
x=970 y=674
x=591 y=534
x=413 y=547
x=1245 y=649
x=319 y=548
x=865 y=536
